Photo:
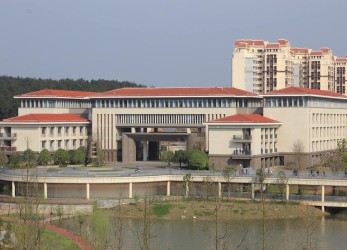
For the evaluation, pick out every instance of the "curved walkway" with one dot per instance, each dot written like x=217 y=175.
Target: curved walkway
x=84 y=245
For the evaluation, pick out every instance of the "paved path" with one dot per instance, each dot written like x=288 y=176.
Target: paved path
x=77 y=239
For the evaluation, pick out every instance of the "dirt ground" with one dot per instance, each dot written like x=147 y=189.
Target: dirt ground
x=227 y=210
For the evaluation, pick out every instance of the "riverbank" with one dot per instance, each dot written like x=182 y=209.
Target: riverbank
x=200 y=209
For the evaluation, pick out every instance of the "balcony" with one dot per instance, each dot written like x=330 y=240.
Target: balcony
x=8 y=148
x=242 y=154
x=8 y=136
x=242 y=138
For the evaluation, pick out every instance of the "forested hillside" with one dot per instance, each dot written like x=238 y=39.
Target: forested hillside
x=11 y=86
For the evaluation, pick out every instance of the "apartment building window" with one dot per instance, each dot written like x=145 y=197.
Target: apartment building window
x=66 y=130
x=51 y=131
x=74 y=144
x=51 y=145
x=59 y=131
x=59 y=143
x=43 y=131
x=81 y=142
x=67 y=144
x=74 y=130
x=43 y=144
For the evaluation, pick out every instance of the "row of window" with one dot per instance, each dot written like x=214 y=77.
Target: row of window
x=53 y=145
x=68 y=130
x=27 y=103
x=321 y=118
x=178 y=103
x=163 y=119
x=320 y=132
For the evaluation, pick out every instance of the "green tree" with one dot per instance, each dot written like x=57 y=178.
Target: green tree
x=15 y=160
x=228 y=173
x=341 y=154
x=180 y=157
x=71 y=154
x=44 y=157
x=100 y=230
x=167 y=156
x=29 y=157
x=79 y=156
x=61 y=157
x=3 y=158
x=197 y=159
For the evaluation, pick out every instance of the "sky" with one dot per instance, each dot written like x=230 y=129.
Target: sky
x=161 y=43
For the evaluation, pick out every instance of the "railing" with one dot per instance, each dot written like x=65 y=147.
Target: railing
x=8 y=148
x=242 y=152
x=10 y=135
x=242 y=137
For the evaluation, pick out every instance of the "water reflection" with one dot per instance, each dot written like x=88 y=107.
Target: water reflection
x=325 y=233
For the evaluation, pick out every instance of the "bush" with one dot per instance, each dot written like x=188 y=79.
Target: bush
x=44 y=157
x=61 y=157
x=197 y=159
x=161 y=209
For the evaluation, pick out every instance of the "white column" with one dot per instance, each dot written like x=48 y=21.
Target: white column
x=87 y=191
x=130 y=190
x=168 y=188
x=145 y=150
x=219 y=190
x=13 y=189
x=323 y=198
x=287 y=192
x=187 y=189
x=253 y=191
x=189 y=131
x=45 y=190
x=132 y=130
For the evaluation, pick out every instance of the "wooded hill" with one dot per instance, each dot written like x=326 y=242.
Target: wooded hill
x=12 y=86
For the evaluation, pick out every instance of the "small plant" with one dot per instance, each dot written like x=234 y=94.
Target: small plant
x=161 y=209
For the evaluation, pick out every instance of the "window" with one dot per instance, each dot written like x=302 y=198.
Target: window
x=51 y=131
x=43 y=131
x=59 y=130
x=74 y=130
x=66 y=130
x=43 y=144
x=81 y=130
x=59 y=144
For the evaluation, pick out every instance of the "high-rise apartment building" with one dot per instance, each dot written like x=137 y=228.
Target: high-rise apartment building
x=261 y=67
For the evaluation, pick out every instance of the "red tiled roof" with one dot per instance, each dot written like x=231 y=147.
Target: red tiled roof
x=325 y=50
x=272 y=45
x=300 y=50
x=305 y=91
x=213 y=91
x=245 y=118
x=242 y=42
x=282 y=41
x=316 y=53
x=341 y=59
x=46 y=118
x=58 y=93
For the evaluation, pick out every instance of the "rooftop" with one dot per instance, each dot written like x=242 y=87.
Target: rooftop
x=244 y=118
x=57 y=93
x=304 y=91
x=154 y=92
x=47 y=118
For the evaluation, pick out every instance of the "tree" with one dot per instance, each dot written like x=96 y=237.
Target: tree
x=29 y=157
x=167 y=156
x=180 y=157
x=3 y=158
x=61 y=157
x=228 y=173
x=79 y=156
x=260 y=180
x=298 y=150
x=187 y=179
x=341 y=154
x=197 y=159
x=15 y=160
x=44 y=157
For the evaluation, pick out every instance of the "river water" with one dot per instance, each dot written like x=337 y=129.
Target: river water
x=323 y=233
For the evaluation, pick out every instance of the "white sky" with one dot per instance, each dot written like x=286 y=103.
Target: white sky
x=163 y=43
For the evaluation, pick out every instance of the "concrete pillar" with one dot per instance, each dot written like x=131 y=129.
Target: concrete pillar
x=253 y=191
x=187 y=189
x=130 y=190
x=145 y=150
x=45 y=190
x=287 y=192
x=13 y=189
x=133 y=130
x=189 y=131
x=219 y=190
x=323 y=198
x=168 y=188
x=87 y=191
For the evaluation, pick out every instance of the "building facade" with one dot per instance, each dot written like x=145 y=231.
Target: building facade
x=235 y=127
x=261 y=67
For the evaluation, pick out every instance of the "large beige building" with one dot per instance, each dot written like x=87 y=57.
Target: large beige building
x=236 y=127
x=261 y=67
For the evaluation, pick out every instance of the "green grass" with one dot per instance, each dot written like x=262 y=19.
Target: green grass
x=53 y=240
x=161 y=209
